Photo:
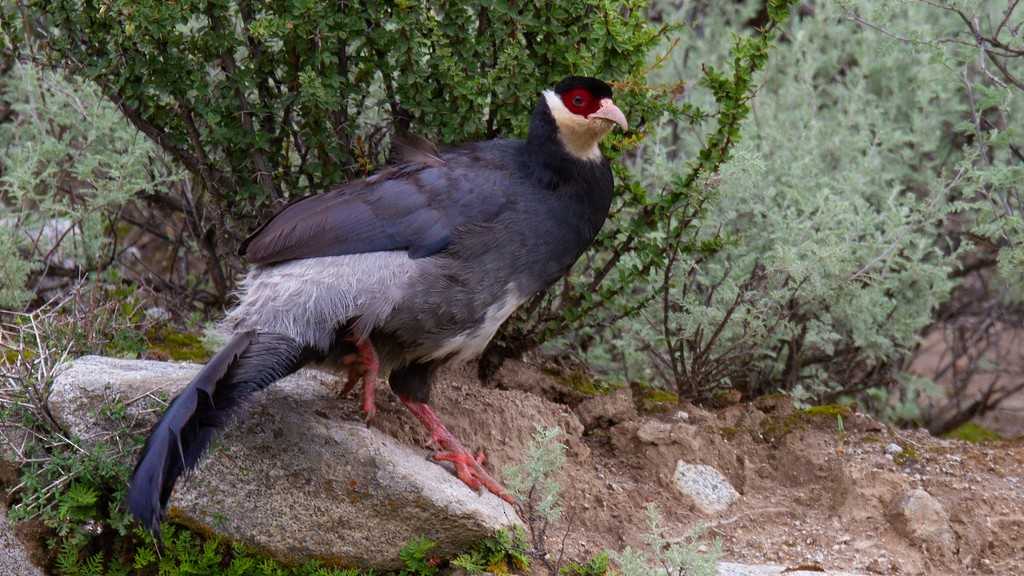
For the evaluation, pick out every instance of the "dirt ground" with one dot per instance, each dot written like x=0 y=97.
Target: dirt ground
x=811 y=495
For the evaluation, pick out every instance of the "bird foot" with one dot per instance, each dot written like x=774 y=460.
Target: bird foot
x=363 y=365
x=470 y=470
x=468 y=467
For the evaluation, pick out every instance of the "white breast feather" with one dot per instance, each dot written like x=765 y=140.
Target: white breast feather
x=471 y=343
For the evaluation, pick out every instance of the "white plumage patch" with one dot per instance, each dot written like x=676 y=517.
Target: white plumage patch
x=307 y=299
x=579 y=135
x=471 y=343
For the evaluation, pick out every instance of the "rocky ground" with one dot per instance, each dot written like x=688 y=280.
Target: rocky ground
x=868 y=498
x=806 y=493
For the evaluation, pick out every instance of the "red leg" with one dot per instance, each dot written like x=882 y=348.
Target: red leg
x=468 y=467
x=363 y=365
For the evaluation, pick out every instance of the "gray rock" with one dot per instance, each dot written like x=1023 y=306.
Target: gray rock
x=292 y=476
x=606 y=409
x=711 y=492
x=13 y=557
x=921 y=518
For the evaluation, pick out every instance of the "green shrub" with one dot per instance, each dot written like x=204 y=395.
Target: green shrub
x=262 y=103
x=980 y=47
x=265 y=102
x=833 y=218
x=68 y=164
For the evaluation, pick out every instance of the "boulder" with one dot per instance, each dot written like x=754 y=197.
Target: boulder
x=295 y=475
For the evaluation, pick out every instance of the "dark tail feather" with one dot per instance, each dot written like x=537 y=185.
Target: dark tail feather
x=249 y=362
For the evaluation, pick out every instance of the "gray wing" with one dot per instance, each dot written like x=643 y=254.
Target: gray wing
x=415 y=207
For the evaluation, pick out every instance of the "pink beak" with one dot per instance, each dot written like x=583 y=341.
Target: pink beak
x=610 y=112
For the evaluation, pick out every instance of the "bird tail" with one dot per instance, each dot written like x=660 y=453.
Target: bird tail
x=249 y=362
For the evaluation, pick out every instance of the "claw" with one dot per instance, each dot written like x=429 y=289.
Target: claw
x=468 y=467
x=470 y=470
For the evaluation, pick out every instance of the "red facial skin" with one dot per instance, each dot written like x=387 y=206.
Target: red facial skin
x=580 y=102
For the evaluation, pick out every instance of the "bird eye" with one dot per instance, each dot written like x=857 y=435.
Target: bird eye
x=580 y=102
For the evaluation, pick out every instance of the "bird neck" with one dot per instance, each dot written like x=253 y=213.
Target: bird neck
x=583 y=185
x=548 y=153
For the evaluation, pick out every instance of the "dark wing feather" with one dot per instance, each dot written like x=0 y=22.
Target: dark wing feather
x=414 y=207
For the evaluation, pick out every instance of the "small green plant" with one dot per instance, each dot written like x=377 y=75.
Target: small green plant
x=501 y=553
x=71 y=487
x=187 y=553
x=535 y=484
x=596 y=566
x=688 y=556
x=417 y=558
x=841 y=430
x=535 y=481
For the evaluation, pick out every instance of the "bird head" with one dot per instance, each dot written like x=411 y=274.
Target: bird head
x=584 y=114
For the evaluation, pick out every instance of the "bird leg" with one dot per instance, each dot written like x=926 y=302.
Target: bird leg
x=468 y=467
x=363 y=365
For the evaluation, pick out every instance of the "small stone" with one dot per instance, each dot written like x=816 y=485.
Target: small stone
x=920 y=517
x=893 y=449
x=157 y=313
x=655 y=433
x=710 y=490
x=665 y=433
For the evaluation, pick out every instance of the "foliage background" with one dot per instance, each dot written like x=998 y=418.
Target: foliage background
x=873 y=199
x=872 y=196
x=804 y=199
x=267 y=102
